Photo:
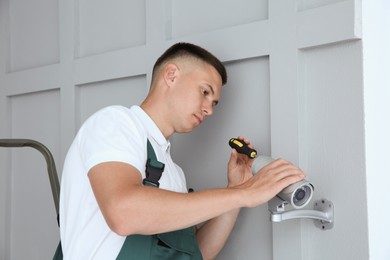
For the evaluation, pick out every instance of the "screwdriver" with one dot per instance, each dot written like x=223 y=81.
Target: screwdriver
x=242 y=147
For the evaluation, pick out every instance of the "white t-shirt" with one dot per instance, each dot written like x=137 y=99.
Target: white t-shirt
x=114 y=133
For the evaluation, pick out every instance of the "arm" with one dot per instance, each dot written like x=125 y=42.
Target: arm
x=131 y=208
x=213 y=235
x=122 y=197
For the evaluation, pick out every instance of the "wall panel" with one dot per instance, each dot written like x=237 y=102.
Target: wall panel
x=193 y=17
x=334 y=146
x=34 y=37
x=93 y=96
x=33 y=218
x=105 y=25
x=309 y=4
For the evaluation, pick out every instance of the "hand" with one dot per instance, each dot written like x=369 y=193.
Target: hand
x=239 y=166
x=269 y=181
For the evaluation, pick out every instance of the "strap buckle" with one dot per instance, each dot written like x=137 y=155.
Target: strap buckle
x=154 y=170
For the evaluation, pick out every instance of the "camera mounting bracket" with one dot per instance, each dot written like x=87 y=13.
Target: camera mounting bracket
x=323 y=212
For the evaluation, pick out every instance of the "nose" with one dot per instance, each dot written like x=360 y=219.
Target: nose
x=208 y=109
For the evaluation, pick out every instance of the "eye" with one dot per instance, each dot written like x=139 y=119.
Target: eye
x=208 y=94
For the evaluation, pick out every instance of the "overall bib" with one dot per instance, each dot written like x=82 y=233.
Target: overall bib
x=180 y=244
x=175 y=245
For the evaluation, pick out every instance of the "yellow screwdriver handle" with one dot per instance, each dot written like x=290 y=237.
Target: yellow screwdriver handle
x=242 y=147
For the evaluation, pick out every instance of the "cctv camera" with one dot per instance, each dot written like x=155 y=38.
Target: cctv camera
x=297 y=194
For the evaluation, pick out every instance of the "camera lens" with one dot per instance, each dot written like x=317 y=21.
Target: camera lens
x=301 y=195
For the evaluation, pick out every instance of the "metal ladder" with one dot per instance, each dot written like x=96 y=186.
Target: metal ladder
x=51 y=167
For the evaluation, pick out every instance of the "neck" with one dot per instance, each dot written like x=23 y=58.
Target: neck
x=155 y=110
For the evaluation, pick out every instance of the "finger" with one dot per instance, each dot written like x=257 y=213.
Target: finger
x=289 y=180
x=277 y=163
x=234 y=156
x=288 y=173
x=282 y=169
x=240 y=159
x=246 y=141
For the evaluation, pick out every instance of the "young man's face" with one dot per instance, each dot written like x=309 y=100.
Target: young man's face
x=197 y=90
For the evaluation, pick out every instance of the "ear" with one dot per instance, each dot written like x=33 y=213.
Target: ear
x=171 y=73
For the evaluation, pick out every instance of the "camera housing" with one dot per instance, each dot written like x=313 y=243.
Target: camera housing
x=298 y=194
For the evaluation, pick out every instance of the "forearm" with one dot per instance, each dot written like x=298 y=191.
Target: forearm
x=213 y=235
x=149 y=210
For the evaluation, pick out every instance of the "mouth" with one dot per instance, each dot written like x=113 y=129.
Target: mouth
x=199 y=118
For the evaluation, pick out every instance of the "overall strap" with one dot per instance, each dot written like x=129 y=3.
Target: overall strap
x=154 y=168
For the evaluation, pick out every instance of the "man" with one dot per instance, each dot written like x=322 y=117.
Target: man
x=105 y=207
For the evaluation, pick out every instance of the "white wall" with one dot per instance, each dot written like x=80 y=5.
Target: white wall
x=302 y=85
x=376 y=64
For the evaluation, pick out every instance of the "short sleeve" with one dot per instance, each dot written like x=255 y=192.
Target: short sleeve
x=112 y=134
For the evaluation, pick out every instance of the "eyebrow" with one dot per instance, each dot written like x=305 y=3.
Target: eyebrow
x=211 y=88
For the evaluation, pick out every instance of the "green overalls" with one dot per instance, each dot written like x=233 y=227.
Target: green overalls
x=174 y=245
x=180 y=244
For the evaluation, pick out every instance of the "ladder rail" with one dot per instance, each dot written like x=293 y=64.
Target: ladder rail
x=51 y=167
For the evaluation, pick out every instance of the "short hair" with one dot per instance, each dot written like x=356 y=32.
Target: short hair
x=183 y=49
